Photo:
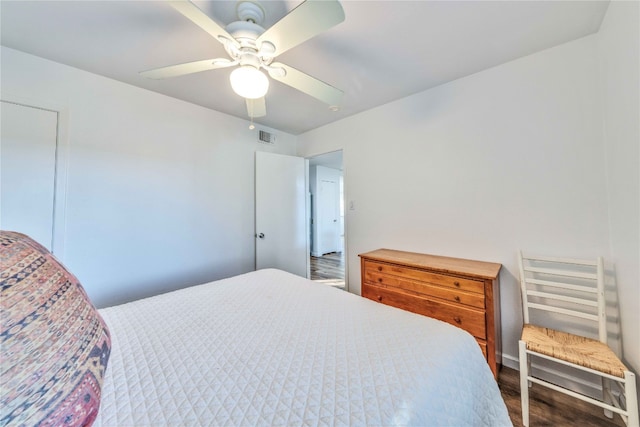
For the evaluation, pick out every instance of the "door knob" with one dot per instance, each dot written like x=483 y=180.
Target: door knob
x=261 y=236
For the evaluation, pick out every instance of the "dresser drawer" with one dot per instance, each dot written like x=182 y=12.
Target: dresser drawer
x=454 y=295
x=471 y=320
x=483 y=347
x=468 y=285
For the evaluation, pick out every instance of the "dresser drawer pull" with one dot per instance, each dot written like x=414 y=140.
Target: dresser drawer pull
x=379 y=297
x=457 y=298
x=379 y=268
x=457 y=284
x=457 y=320
x=380 y=279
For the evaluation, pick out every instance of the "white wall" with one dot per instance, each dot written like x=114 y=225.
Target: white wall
x=619 y=48
x=160 y=192
x=508 y=158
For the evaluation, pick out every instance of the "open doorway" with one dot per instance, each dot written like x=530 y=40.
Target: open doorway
x=326 y=219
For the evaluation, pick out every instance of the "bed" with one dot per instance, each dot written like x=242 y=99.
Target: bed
x=271 y=348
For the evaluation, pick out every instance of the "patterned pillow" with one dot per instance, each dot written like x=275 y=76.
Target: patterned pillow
x=54 y=345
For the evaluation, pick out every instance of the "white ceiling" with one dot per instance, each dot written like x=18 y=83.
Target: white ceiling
x=383 y=51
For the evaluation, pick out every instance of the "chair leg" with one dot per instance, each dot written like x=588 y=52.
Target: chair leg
x=606 y=397
x=631 y=395
x=524 y=383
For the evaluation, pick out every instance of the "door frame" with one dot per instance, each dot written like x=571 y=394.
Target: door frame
x=61 y=166
x=346 y=216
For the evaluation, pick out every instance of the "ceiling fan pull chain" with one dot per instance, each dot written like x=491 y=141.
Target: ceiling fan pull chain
x=250 y=111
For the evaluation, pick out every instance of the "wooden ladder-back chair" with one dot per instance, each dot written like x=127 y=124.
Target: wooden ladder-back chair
x=570 y=292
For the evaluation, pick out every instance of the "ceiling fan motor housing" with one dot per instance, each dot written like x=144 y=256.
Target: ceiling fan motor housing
x=246 y=33
x=250 y=11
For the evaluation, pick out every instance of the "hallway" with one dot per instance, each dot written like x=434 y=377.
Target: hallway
x=329 y=269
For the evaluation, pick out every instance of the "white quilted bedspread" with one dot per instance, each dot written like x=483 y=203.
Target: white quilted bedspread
x=270 y=348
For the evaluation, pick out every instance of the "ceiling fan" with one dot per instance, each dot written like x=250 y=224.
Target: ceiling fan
x=251 y=49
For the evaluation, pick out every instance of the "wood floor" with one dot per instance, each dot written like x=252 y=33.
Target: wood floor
x=328 y=269
x=548 y=407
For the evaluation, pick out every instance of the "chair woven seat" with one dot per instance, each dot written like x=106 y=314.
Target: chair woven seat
x=579 y=350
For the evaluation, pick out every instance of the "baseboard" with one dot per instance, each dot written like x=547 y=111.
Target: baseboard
x=557 y=374
x=511 y=362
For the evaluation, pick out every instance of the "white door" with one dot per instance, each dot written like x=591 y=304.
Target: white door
x=328 y=216
x=281 y=213
x=27 y=171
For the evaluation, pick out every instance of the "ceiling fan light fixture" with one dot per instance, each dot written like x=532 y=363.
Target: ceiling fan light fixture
x=249 y=82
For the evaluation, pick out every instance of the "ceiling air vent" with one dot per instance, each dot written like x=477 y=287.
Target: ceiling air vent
x=266 y=137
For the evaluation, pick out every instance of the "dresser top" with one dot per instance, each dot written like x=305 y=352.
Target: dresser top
x=479 y=269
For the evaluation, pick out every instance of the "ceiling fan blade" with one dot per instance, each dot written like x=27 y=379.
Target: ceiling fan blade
x=307 y=84
x=305 y=21
x=256 y=107
x=187 y=68
x=201 y=19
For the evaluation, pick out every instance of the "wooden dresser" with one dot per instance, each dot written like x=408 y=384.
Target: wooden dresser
x=462 y=292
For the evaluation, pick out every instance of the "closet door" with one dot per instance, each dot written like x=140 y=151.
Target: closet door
x=28 y=171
